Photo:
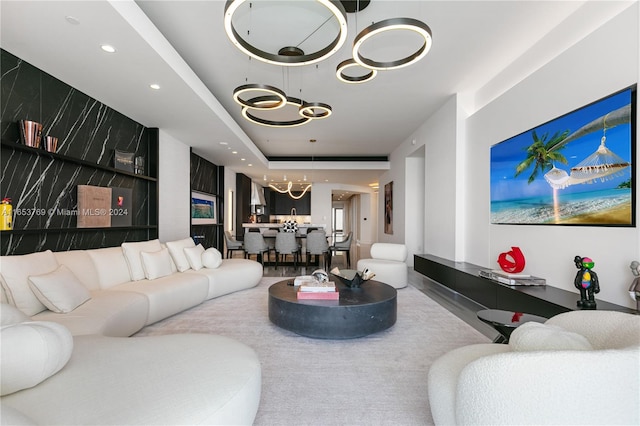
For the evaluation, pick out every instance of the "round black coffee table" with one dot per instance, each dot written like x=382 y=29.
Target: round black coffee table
x=359 y=312
x=506 y=321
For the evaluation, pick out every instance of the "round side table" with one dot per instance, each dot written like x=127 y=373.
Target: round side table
x=506 y=321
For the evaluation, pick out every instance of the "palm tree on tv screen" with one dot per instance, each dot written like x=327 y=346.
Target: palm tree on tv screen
x=542 y=154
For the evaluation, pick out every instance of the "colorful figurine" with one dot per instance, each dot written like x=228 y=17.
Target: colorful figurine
x=587 y=282
x=634 y=290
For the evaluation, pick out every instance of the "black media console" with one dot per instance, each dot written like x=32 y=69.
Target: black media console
x=462 y=277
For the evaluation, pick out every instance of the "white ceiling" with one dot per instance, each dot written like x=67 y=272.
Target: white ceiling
x=181 y=45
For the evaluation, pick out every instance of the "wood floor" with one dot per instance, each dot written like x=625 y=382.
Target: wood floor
x=455 y=303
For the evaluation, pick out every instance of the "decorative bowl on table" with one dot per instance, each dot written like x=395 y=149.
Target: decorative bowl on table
x=349 y=277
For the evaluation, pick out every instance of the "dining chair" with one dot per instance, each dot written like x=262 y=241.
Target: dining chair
x=254 y=243
x=317 y=245
x=286 y=243
x=345 y=246
x=232 y=244
x=270 y=238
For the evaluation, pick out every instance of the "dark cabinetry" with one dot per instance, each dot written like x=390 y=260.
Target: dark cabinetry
x=462 y=277
x=281 y=204
x=243 y=203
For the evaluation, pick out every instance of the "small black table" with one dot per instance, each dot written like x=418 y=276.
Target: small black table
x=505 y=321
x=358 y=312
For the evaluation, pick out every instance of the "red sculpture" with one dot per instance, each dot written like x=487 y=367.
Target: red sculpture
x=516 y=264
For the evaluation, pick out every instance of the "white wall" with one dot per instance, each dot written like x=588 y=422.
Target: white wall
x=438 y=138
x=604 y=62
x=174 y=198
x=457 y=148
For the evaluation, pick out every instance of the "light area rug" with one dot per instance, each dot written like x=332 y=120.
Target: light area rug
x=380 y=379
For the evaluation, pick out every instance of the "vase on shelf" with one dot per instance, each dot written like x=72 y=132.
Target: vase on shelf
x=51 y=143
x=30 y=133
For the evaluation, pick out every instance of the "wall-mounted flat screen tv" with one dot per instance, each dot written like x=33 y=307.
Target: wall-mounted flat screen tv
x=577 y=169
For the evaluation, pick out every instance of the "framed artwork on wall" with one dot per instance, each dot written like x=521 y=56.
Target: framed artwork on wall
x=388 y=208
x=577 y=169
x=203 y=209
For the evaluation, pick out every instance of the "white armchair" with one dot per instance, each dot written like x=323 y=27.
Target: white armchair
x=580 y=367
x=388 y=263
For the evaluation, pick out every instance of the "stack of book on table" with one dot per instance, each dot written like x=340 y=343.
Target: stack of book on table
x=311 y=289
x=511 y=279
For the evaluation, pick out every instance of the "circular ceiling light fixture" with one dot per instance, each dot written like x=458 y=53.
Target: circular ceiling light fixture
x=273 y=123
x=315 y=110
x=392 y=24
x=288 y=56
x=350 y=63
x=277 y=96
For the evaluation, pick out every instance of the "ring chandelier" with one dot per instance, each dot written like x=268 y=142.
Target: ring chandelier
x=287 y=56
x=275 y=98
x=392 y=24
x=308 y=111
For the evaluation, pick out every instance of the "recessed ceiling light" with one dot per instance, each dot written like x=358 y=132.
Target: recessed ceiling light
x=155 y=86
x=250 y=165
x=242 y=159
x=72 y=20
x=234 y=152
x=108 y=48
x=224 y=143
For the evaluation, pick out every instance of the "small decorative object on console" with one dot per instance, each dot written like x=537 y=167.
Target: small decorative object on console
x=634 y=290
x=511 y=279
x=516 y=264
x=587 y=282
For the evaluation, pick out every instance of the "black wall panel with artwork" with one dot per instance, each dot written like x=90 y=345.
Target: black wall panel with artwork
x=207 y=179
x=42 y=185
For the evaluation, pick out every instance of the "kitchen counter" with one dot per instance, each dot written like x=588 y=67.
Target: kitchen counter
x=302 y=227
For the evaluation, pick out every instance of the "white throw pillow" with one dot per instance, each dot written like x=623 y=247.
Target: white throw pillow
x=176 y=249
x=12 y=315
x=211 y=258
x=15 y=282
x=132 y=255
x=194 y=255
x=60 y=291
x=156 y=264
x=534 y=336
x=32 y=352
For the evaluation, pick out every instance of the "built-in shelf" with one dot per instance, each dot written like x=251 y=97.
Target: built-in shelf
x=55 y=156
x=59 y=230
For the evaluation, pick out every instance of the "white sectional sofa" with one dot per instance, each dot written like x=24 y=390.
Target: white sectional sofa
x=74 y=310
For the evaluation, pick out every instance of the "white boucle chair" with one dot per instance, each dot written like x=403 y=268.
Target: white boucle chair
x=388 y=263
x=580 y=367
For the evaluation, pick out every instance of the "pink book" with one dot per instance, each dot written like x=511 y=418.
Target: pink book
x=313 y=295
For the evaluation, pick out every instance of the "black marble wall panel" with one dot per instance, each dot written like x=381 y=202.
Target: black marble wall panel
x=208 y=178
x=43 y=187
x=85 y=128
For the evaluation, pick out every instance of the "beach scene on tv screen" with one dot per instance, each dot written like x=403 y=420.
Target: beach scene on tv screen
x=573 y=170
